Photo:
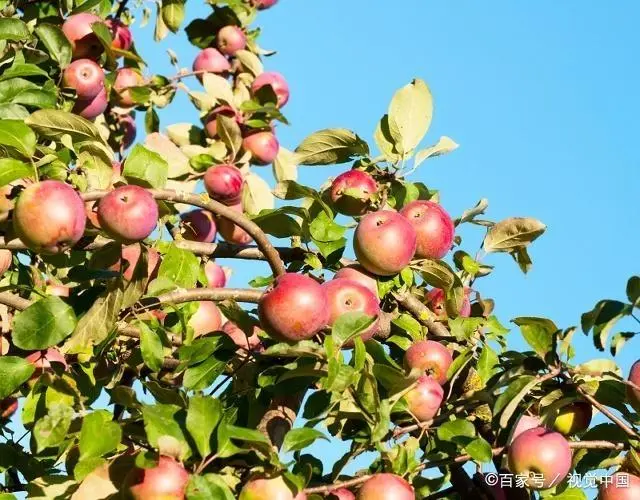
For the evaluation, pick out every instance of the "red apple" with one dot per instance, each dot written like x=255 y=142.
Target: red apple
x=211 y=61
x=356 y=272
x=573 y=418
x=92 y=107
x=85 y=77
x=295 y=307
x=216 y=277
x=351 y=192
x=384 y=242
x=436 y=299
x=130 y=256
x=128 y=213
x=207 y=319
x=267 y=489
x=386 y=487
x=57 y=289
x=230 y=40
x=540 y=452
x=525 y=422
x=232 y=232
x=277 y=82
x=263 y=147
x=6 y=258
x=211 y=123
x=121 y=36
x=429 y=356
x=125 y=79
x=633 y=395
x=85 y=43
x=433 y=226
x=8 y=406
x=49 y=217
x=198 y=225
x=341 y=494
x=166 y=481
x=620 y=486
x=350 y=296
x=128 y=126
x=240 y=338
x=424 y=400
x=264 y=4
x=224 y=183
x=42 y=361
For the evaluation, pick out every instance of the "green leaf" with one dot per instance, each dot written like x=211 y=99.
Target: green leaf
x=471 y=213
x=203 y=416
x=229 y=133
x=512 y=233
x=99 y=434
x=43 y=324
x=151 y=347
x=201 y=376
x=298 y=439
x=445 y=145
x=11 y=111
x=52 y=429
x=180 y=267
x=13 y=29
x=568 y=494
x=145 y=168
x=512 y=390
x=14 y=371
x=602 y=318
x=12 y=169
x=24 y=69
x=349 y=325
x=277 y=223
x=98 y=171
x=436 y=273
x=410 y=114
x=538 y=332
x=165 y=420
x=330 y=146
x=227 y=433
x=53 y=124
x=480 y=450
x=487 y=363
x=15 y=134
x=385 y=141
x=633 y=289
x=456 y=428
x=208 y=487
x=285 y=167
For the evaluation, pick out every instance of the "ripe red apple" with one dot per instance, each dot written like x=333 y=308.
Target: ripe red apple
x=232 y=232
x=433 y=226
x=167 y=481
x=130 y=256
x=425 y=398
x=224 y=183
x=85 y=77
x=198 y=225
x=525 y=422
x=264 y=4
x=351 y=192
x=350 y=296
x=240 y=338
x=384 y=242
x=211 y=124
x=92 y=107
x=207 y=319
x=85 y=43
x=573 y=418
x=277 y=82
x=128 y=125
x=341 y=494
x=429 y=356
x=6 y=258
x=539 y=451
x=128 y=213
x=216 y=277
x=57 y=289
x=230 y=40
x=42 y=361
x=633 y=395
x=8 y=406
x=295 y=307
x=263 y=147
x=359 y=274
x=121 y=36
x=621 y=486
x=386 y=487
x=267 y=489
x=436 y=299
x=49 y=217
x=125 y=79
x=212 y=61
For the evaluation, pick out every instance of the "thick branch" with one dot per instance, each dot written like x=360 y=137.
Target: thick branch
x=14 y=301
x=421 y=313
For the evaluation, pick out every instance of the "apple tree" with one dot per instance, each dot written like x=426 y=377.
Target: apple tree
x=129 y=369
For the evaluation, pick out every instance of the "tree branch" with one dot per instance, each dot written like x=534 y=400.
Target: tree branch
x=421 y=313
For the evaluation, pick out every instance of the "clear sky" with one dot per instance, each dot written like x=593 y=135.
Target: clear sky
x=541 y=96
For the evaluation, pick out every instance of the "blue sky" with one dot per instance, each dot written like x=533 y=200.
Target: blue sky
x=541 y=96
